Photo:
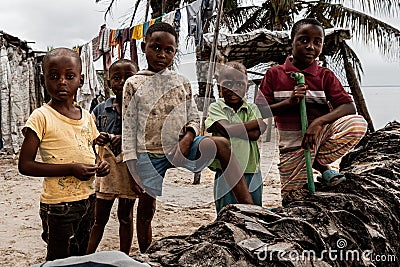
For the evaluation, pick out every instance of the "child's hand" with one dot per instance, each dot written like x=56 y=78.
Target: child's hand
x=102 y=139
x=137 y=185
x=115 y=142
x=311 y=134
x=298 y=93
x=84 y=171
x=103 y=168
x=181 y=151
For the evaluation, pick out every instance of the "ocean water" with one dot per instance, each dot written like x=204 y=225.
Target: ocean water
x=383 y=104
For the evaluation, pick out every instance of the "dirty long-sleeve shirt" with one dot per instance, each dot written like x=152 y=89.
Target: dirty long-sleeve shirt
x=157 y=110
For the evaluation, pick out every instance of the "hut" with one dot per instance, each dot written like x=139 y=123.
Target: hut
x=19 y=90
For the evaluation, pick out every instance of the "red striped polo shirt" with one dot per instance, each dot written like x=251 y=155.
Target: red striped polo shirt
x=323 y=86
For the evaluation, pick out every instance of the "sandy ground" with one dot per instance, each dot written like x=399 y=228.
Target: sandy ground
x=182 y=209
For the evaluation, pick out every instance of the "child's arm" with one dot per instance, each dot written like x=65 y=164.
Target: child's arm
x=182 y=149
x=219 y=122
x=316 y=126
x=27 y=164
x=250 y=130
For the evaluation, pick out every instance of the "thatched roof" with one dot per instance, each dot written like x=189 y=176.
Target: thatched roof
x=261 y=46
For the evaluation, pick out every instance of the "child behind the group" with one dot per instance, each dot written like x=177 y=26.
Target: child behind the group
x=241 y=123
x=64 y=134
x=331 y=133
x=118 y=184
x=160 y=124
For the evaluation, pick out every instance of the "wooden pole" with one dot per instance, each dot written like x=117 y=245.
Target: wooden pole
x=105 y=73
x=211 y=70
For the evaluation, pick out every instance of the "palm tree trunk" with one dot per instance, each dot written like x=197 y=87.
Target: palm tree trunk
x=355 y=88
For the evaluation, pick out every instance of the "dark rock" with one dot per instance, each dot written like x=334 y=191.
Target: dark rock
x=356 y=223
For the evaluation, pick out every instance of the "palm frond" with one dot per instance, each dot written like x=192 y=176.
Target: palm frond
x=261 y=18
x=232 y=19
x=380 y=8
x=366 y=28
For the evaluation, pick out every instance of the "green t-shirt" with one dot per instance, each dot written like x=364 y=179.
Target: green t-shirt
x=246 y=151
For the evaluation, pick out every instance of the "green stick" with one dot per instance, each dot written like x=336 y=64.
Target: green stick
x=299 y=77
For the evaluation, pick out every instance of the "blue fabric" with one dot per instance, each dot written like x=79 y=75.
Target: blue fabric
x=177 y=20
x=223 y=194
x=145 y=27
x=151 y=169
x=107 y=118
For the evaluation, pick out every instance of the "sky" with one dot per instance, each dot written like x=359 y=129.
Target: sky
x=75 y=22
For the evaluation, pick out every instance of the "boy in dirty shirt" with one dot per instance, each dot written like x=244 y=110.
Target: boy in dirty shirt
x=160 y=127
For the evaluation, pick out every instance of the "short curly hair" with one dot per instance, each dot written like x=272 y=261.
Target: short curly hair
x=161 y=27
x=230 y=67
x=61 y=51
x=120 y=61
x=298 y=24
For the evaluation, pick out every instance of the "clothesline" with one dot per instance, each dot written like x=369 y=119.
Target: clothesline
x=110 y=39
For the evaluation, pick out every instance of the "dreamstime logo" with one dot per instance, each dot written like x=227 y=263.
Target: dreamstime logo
x=158 y=113
x=269 y=253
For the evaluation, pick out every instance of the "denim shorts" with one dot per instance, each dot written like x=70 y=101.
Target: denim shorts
x=66 y=227
x=152 y=169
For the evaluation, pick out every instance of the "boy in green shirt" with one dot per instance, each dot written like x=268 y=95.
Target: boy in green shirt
x=240 y=122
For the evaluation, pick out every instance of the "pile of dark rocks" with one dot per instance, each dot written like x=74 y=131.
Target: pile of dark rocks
x=356 y=223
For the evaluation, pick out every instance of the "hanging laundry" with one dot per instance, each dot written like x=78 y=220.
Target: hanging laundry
x=77 y=49
x=126 y=38
x=137 y=32
x=90 y=86
x=133 y=48
x=118 y=40
x=152 y=21
x=114 y=41
x=198 y=12
x=195 y=27
x=104 y=37
x=177 y=21
x=96 y=48
x=169 y=18
x=145 y=27
x=159 y=19
x=111 y=37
